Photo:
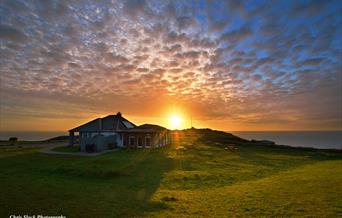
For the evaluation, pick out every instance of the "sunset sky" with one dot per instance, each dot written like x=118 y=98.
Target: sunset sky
x=230 y=65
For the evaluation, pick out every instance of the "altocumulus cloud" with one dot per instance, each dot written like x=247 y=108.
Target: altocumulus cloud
x=256 y=61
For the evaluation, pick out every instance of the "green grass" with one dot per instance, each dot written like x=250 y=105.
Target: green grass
x=14 y=148
x=16 y=143
x=202 y=180
x=75 y=148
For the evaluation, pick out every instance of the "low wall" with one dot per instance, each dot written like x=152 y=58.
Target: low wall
x=101 y=142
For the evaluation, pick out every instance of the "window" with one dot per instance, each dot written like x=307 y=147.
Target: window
x=127 y=124
x=147 y=141
x=140 y=142
x=131 y=140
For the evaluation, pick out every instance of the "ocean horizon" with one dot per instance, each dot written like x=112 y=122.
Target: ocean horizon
x=313 y=139
x=31 y=135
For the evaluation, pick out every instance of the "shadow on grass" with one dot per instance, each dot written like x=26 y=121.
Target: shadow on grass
x=119 y=184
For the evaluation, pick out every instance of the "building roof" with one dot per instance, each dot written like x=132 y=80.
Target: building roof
x=109 y=123
x=147 y=128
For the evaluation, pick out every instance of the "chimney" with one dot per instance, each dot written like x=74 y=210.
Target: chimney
x=118 y=120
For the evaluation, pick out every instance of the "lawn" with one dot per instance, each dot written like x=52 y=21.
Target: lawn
x=13 y=148
x=203 y=179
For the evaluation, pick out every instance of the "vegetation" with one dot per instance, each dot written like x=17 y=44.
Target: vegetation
x=13 y=139
x=17 y=143
x=13 y=148
x=195 y=177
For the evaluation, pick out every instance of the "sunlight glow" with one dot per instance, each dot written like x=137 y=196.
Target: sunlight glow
x=176 y=121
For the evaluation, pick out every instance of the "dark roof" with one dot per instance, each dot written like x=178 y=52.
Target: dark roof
x=148 y=128
x=109 y=123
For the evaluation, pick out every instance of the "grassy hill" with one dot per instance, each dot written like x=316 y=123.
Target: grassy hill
x=195 y=177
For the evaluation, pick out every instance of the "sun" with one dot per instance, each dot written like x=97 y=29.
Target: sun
x=176 y=121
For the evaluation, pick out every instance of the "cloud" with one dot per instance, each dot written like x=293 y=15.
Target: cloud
x=184 y=22
x=237 y=35
x=188 y=55
x=136 y=8
x=309 y=8
x=218 y=26
x=10 y=33
x=50 y=10
x=261 y=63
x=313 y=61
x=115 y=59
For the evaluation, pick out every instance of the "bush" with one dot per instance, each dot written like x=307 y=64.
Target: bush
x=13 y=139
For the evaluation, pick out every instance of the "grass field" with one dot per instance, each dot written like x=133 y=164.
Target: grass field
x=204 y=179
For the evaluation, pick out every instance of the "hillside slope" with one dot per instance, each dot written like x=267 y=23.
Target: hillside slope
x=202 y=179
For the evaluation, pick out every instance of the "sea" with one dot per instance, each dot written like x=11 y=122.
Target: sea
x=31 y=136
x=313 y=139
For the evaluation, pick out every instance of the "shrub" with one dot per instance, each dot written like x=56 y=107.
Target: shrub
x=13 y=139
